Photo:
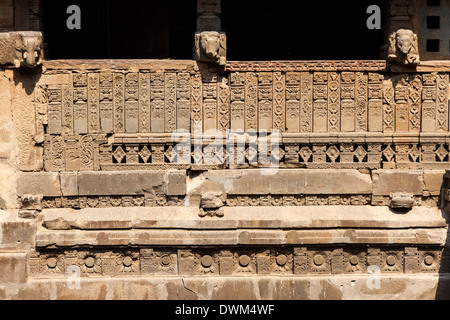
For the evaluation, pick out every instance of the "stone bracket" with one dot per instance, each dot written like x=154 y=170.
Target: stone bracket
x=23 y=49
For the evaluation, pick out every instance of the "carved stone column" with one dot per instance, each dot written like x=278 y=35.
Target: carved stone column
x=210 y=42
x=400 y=37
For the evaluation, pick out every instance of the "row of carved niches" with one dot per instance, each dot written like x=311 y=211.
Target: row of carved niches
x=288 y=101
x=83 y=202
x=94 y=152
x=233 y=261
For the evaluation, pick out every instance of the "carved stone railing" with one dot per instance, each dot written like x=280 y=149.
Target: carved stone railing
x=122 y=115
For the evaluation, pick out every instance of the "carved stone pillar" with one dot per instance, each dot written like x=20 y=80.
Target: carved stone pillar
x=210 y=42
x=208 y=15
x=400 y=36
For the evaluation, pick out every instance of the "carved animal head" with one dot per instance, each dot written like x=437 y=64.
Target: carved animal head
x=32 y=51
x=401 y=200
x=210 y=43
x=404 y=40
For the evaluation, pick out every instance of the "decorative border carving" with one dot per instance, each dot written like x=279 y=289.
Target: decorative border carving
x=307 y=260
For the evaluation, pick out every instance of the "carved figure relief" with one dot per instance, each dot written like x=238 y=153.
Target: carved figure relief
x=21 y=49
x=403 y=47
x=211 y=46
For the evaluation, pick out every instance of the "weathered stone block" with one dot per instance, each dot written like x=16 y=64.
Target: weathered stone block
x=15 y=233
x=292 y=181
x=121 y=183
x=386 y=182
x=39 y=183
x=175 y=183
x=69 y=184
x=14 y=268
x=433 y=181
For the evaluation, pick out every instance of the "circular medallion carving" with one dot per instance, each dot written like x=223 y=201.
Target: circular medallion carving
x=282 y=260
x=51 y=263
x=429 y=260
x=354 y=260
x=127 y=261
x=207 y=261
x=319 y=260
x=165 y=260
x=244 y=260
x=391 y=260
x=89 y=262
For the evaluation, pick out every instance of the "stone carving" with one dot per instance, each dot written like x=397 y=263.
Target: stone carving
x=303 y=66
x=21 y=49
x=237 y=98
x=403 y=47
x=229 y=262
x=211 y=46
x=292 y=102
x=401 y=200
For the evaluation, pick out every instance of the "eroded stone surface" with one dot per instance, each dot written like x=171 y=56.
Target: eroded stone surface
x=292 y=182
x=386 y=182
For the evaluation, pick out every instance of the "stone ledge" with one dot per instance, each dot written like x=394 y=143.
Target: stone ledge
x=312 y=217
x=57 y=239
x=52 y=184
x=392 y=287
x=121 y=64
x=39 y=183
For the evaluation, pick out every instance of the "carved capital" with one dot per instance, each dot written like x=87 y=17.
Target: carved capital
x=211 y=46
x=403 y=47
x=22 y=49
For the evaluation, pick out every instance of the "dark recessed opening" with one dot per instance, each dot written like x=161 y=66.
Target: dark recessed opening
x=433 y=45
x=433 y=22
x=115 y=29
x=300 y=30
x=433 y=3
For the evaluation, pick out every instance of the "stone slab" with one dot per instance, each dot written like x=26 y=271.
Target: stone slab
x=69 y=184
x=292 y=181
x=39 y=183
x=175 y=183
x=288 y=218
x=177 y=237
x=320 y=287
x=16 y=233
x=386 y=182
x=433 y=181
x=14 y=268
x=128 y=183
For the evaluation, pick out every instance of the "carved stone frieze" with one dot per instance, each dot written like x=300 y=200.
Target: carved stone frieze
x=225 y=262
